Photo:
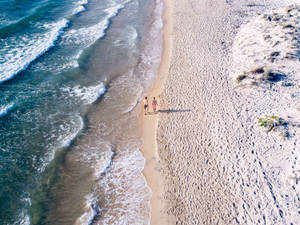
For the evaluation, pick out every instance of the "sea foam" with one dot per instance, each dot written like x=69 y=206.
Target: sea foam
x=5 y=109
x=83 y=2
x=91 y=211
x=86 y=94
x=128 y=39
x=89 y=35
x=83 y=38
x=28 y=48
x=80 y=7
x=63 y=136
x=78 y=10
x=66 y=140
x=99 y=157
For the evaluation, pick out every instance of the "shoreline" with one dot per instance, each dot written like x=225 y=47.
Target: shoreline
x=149 y=147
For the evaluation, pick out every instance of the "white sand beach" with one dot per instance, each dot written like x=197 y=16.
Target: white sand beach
x=224 y=149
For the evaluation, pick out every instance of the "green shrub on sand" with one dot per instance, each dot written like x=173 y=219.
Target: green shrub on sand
x=270 y=122
x=276 y=124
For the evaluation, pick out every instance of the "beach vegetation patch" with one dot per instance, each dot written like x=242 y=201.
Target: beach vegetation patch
x=272 y=76
x=275 y=124
x=267 y=37
x=266 y=54
x=261 y=75
x=274 y=54
x=241 y=77
x=270 y=122
x=258 y=70
x=288 y=26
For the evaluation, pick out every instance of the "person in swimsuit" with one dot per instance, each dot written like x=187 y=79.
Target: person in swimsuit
x=154 y=104
x=145 y=105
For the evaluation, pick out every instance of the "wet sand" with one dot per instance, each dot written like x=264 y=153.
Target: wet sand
x=152 y=170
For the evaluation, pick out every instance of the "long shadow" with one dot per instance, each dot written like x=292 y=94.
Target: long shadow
x=174 y=110
x=276 y=77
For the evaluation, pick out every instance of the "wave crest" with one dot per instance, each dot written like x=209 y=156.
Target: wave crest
x=28 y=49
x=6 y=108
x=86 y=94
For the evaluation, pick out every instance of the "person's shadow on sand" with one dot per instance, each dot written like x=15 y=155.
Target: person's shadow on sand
x=173 y=110
x=169 y=111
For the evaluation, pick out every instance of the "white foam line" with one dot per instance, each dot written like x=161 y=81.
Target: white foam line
x=104 y=24
x=135 y=102
x=79 y=9
x=92 y=210
x=67 y=140
x=23 y=58
x=86 y=94
x=78 y=55
x=83 y=2
x=91 y=205
x=62 y=142
x=4 y=109
x=88 y=36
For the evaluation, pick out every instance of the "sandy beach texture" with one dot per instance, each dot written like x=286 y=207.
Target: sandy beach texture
x=225 y=148
x=152 y=170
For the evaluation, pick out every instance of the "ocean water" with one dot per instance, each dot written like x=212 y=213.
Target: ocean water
x=71 y=75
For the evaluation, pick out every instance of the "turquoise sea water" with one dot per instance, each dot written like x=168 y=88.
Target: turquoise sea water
x=60 y=61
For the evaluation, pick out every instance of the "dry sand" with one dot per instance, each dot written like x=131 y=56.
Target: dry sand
x=208 y=160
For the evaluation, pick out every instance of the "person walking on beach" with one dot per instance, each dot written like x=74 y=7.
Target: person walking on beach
x=145 y=101
x=154 y=104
